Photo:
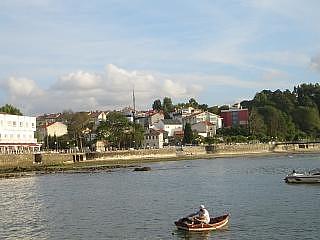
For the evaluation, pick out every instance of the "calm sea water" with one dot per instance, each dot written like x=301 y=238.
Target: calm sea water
x=123 y=204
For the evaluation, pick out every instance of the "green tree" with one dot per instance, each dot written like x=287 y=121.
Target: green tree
x=188 y=134
x=193 y=103
x=307 y=119
x=119 y=132
x=214 y=110
x=256 y=123
x=77 y=124
x=157 y=105
x=167 y=107
x=8 y=108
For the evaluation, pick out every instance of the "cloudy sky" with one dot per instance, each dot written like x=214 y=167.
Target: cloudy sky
x=60 y=55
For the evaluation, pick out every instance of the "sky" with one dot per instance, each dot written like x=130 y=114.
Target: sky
x=80 y=55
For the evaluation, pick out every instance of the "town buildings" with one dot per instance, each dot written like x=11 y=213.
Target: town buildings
x=159 y=131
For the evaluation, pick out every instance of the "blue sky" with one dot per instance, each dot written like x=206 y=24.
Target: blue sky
x=59 y=55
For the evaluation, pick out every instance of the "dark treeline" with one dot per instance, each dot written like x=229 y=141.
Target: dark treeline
x=285 y=115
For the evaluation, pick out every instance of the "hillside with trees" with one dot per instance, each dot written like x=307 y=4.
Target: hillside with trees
x=285 y=115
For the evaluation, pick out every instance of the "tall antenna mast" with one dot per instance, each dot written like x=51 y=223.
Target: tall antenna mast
x=134 y=106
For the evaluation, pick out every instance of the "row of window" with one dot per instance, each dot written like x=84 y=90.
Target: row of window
x=151 y=137
x=14 y=124
x=15 y=136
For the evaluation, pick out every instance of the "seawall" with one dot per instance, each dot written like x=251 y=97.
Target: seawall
x=10 y=161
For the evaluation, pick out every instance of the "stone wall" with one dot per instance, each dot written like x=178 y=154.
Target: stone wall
x=243 y=148
x=132 y=153
x=27 y=160
x=14 y=160
x=297 y=147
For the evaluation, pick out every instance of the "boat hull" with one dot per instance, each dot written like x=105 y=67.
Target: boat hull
x=215 y=224
x=302 y=179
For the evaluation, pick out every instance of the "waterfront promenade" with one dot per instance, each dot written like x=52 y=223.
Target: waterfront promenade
x=12 y=165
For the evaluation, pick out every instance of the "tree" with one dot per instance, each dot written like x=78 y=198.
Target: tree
x=256 y=123
x=188 y=134
x=119 y=132
x=77 y=124
x=167 y=107
x=10 y=110
x=214 y=110
x=307 y=119
x=157 y=105
x=193 y=103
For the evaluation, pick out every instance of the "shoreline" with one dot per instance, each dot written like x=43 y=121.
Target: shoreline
x=109 y=164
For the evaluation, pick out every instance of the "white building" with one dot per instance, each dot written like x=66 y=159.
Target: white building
x=203 y=117
x=57 y=129
x=184 y=112
x=97 y=117
x=204 y=129
x=153 y=139
x=17 y=134
x=169 y=125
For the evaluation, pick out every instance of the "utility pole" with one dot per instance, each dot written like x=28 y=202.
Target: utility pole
x=47 y=137
x=134 y=106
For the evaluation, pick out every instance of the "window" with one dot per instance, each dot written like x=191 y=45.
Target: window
x=14 y=123
x=9 y=123
x=33 y=125
x=21 y=124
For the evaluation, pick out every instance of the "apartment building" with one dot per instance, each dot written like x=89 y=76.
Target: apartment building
x=17 y=134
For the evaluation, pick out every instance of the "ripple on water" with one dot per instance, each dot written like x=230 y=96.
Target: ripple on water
x=127 y=205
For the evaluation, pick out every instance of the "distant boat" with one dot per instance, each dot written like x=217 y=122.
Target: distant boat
x=142 y=169
x=310 y=177
x=215 y=224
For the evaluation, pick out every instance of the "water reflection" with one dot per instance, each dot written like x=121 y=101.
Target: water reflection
x=180 y=234
x=21 y=210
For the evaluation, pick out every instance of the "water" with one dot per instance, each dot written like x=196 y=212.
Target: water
x=143 y=205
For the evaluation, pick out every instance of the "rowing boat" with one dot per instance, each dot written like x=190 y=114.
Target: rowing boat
x=215 y=224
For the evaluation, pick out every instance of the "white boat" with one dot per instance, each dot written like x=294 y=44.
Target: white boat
x=309 y=177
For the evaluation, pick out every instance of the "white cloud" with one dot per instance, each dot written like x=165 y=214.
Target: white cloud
x=23 y=87
x=78 y=80
x=315 y=62
x=88 y=91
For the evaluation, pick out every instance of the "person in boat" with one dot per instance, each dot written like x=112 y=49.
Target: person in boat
x=201 y=216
